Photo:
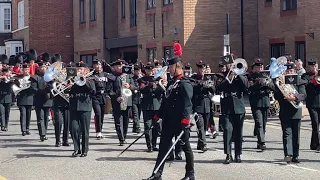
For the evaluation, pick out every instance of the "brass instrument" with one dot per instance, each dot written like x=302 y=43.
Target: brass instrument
x=274 y=106
x=24 y=82
x=125 y=93
x=277 y=70
x=81 y=80
x=238 y=67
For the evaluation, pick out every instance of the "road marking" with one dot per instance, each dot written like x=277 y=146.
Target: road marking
x=304 y=168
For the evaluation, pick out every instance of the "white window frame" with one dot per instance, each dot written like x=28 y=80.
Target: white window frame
x=21 y=15
x=6 y=21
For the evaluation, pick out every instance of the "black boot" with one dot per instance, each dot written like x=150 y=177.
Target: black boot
x=228 y=159
x=238 y=159
x=189 y=177
x=178 y=157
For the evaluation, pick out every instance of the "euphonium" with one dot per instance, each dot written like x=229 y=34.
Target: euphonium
x=277 y=70
x=125 y=93
x=238 y=67
x=24 y=84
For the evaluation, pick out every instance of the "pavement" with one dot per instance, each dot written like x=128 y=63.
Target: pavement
x=26 y=158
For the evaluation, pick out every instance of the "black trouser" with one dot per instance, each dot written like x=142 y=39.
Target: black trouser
x=260 y=116
x=99 y=110
x=315 y=136
x=121 y=121
x=232 y=129
x=80 y=125
x=42 y=119
x=212 y=124
x=25 y=116
x=221 y=122
x=151 y=135
x=202 y=128
x=4 y=114
x=166 y=140
x=291 y=136
x=136 y=113
x=61 y=117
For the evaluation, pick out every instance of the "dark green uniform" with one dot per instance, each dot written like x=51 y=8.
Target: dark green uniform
x=42 y=103
x=151 y=101
x=25 y=103
x=202 y=105
x=5 y=103
x=136 y=105
x=233 y=107
x=80 y=115
x=219 y=78
x=260 y=103
x=99 y=99
x=121 y=117
x=290 y=118
x=175 y=109
x=313 y=105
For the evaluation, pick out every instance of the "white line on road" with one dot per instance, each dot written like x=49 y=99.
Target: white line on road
x=304 y=168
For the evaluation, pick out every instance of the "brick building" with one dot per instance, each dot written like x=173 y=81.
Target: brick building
x=105 y=29
x=199 y=26
x=46 y=26
x=5 y=23
x=289 y=26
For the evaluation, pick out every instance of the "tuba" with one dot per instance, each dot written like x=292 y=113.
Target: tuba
x=238 y=67
x=24 y=82
x=277 y=70
x=125 y=93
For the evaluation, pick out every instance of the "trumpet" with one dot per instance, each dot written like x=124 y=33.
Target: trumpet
x=238 y=67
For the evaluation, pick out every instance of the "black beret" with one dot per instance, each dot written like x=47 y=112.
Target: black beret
x=289 y=57
x=258 y=62
x=290 y=65
x=201 y=64
x=149 y=66
x=312 y=61
x=221 y=64
x=187 y=67
x=96 y=61
x=81 y=64
x=136 y=67
x=118 y=62
x=70 y=64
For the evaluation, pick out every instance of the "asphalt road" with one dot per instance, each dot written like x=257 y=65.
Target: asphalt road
x=26 y=158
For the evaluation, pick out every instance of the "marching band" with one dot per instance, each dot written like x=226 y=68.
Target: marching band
x=171 y=102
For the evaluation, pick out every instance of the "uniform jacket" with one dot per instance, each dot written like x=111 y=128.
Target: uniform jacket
x=152 y=95
x=312 y=90
x=177 y=105
x=136 y=94
x=232 y=101
x=25 y=97
x=81 y=96
x=259 y=92
x=287 y=111
x=42 y=90
x=100 y=81
x=5 y=92
x=201 y=99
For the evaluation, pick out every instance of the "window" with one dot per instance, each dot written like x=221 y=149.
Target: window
x=301 y=51
x=123 y=8
x=168 y=52
x=7 y=19
x=88 y=58
x=289 y=5
x=82 y=11
x=133 y=12
x=152 y=54
x=151 y=4
x=268 y=0
x=93 y=15
x=21 y=14
x=18 y=50
x=277 y=50
x=167 y=2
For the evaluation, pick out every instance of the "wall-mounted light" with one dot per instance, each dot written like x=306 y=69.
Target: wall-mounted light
x=310 y=35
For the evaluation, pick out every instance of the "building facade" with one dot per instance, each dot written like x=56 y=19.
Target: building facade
x=289 y=26
x=46 y=26
x=5 y=24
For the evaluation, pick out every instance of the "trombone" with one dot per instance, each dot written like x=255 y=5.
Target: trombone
x=238 y=67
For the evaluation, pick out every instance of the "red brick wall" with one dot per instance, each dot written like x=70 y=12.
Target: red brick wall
x=88 y=37
x=274 y=24
x=51 y=27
